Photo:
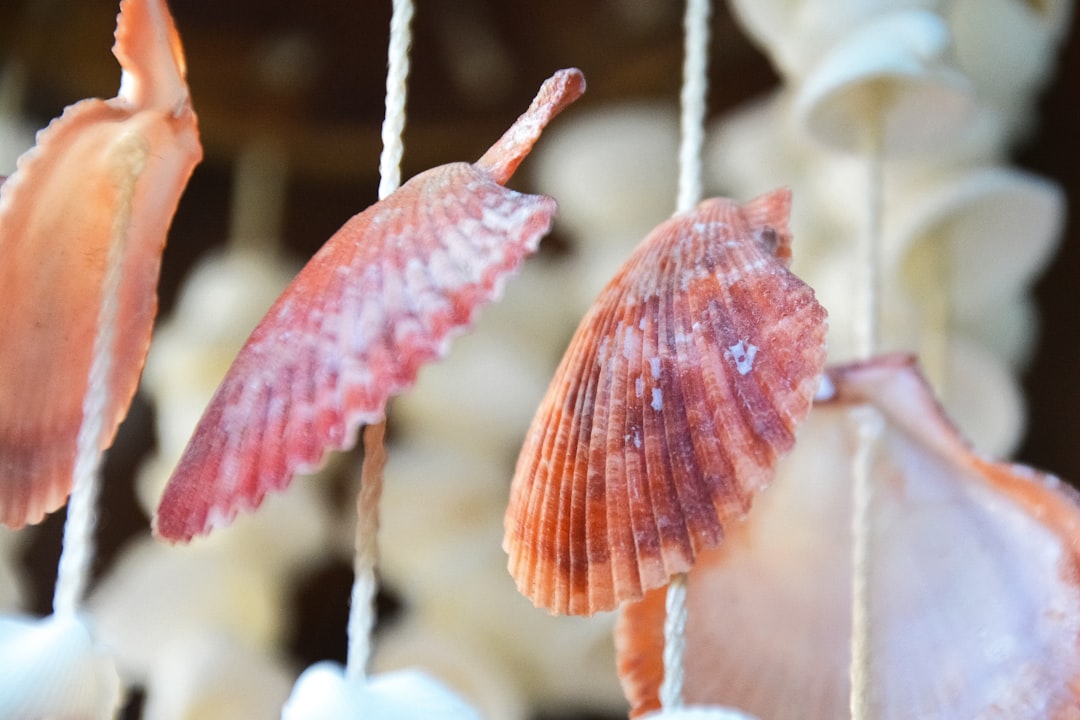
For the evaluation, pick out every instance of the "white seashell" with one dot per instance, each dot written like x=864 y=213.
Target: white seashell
x=443 y=554
x=473 y=669
x=892 y=76
x=698 y=712
x=156 y=594
x=323 y=692
x=796 y=34
x=486 y=378
x=990 y=232
x=613 y=170
x=1007 y=48
x=208 y=675
x=53 y=668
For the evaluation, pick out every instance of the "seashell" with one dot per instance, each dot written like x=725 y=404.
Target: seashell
x=82 y=221
x=973 y=591
x=209 y=675
x=323 y=691
x=968 y=223
x=895 y=73
x=699 y=712
x=384 y=295
x=52 y=668
x=680 y=389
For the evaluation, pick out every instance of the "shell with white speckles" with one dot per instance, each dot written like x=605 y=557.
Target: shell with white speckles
x=383 y=296
x=680 y=390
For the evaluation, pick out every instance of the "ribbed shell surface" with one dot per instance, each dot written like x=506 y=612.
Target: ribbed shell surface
x=383 y=296
x=680 y=389
x=83 y=222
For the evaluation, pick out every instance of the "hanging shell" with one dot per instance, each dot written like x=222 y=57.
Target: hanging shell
x=52 y=668
x=323 y=691
x=382 y=297
x=85 y=217
x=974 y=597
x=681 y=388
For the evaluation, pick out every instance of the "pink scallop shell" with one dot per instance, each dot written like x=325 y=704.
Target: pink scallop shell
x=680 y=390
x=382 y=297
x=974 y=579
x=93 y=198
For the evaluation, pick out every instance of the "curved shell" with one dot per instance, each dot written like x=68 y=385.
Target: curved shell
x=323 y=691
x=82 y=224
x=52 y=668
x=682 y=386
x=382 y=297
x=974 y=585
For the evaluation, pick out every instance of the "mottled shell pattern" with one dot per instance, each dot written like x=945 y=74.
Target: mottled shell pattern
x=83 y=222
x=974 y=589
x=383 y=296
x=681 y=388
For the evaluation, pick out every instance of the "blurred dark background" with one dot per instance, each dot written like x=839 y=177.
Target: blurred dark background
x=310 y=77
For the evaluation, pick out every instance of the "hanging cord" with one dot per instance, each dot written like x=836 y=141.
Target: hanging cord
x=868 y=425
x=77 y=551
x=365 y=583
x=692 y=129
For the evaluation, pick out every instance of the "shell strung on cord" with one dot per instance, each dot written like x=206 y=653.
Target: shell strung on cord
x=52 y=668
x=974 y=591
x=383 y=296
x=681 y=388
x=323 y=691
x=91 y=201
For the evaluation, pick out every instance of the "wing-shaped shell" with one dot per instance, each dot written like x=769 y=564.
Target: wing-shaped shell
x=682 y=386
x=974 y=589
x=92 y=200
x=382 y=297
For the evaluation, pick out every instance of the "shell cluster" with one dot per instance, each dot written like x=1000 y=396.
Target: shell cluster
x=681 y=388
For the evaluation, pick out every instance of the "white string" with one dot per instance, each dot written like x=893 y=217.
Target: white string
x=694 y=89
x=397 y=75
x=869 y=429
x=77 y=550
x=692 y=142
x=365 y=583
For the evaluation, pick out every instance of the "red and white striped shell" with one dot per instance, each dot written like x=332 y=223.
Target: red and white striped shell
x=680 y=390
x=383 y=296
x=974 y=579
x=82 y=220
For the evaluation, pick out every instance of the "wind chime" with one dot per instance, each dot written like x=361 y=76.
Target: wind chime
x=882 y=569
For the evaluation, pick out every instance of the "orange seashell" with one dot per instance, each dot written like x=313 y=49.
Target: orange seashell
x=682 y=386
x=382 y=297
x=974 y=578
x=84 y=217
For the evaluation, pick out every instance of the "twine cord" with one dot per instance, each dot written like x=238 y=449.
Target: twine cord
x=868 y=427
x=365 y=582
x=692 y=97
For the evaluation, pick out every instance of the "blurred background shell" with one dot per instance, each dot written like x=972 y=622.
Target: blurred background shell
x=308 y=81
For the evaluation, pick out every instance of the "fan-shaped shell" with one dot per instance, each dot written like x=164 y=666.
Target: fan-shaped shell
x=82 y=220
x=382 y=297
x=974 y=586
x=682 y=386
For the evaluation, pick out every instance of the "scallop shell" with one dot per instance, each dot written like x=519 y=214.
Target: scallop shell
x=382 y=297
x=681 y=388
x=323 y=691
x=52 y=668
x=974 y=598
x=82 y=220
